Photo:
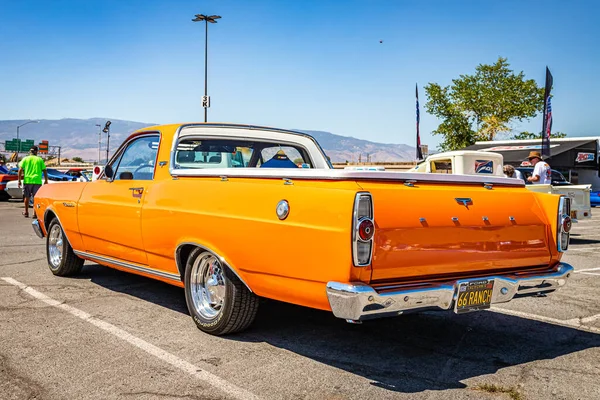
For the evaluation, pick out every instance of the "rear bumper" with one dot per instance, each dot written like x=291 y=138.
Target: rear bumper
x=37 y=229
x=358 y=301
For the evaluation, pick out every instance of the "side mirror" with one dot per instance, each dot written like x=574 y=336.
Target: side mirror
x=108 y=172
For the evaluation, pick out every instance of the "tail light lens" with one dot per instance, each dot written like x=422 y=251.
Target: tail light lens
x=363 y=229
x=563 y=228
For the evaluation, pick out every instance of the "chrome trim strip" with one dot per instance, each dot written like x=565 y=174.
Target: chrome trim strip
x=134 y=267
x=358 y=301
x=341 y=175
x=222 y=259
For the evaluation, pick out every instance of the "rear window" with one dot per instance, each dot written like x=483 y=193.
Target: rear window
x=441 y=166
x=234 y=153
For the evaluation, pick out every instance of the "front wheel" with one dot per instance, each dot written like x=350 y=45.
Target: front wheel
x=217 y=299
x=62 y=261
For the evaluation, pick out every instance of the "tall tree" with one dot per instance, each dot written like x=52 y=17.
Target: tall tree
x=534 y=136
x=483 y=105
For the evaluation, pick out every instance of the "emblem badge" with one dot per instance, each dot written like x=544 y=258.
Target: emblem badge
x=464 y=201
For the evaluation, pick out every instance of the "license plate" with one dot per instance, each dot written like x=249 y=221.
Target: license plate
x=474 y=295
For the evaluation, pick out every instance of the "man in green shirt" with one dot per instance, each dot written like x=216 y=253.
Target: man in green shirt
x=31 y=168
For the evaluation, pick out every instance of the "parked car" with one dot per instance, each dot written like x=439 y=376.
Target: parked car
x=557 y=178
x=82 y=174
x=361 y=244
x=6 y=175
x=595 y=199
x=54 y=176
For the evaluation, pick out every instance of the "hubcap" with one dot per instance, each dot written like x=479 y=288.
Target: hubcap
x=207 y=284
x=55 y=246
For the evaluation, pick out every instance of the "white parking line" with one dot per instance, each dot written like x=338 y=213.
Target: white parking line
x=586 y=270
x=157 y=352
x=585 y=249
x=590 y=273
x=576 y=323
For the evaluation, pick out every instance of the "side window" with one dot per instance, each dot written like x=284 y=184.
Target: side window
x=138 y=160
x=441 y=166
x=558 y=177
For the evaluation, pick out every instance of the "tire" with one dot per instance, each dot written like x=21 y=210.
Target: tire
x=62 y=261
x=217 y=299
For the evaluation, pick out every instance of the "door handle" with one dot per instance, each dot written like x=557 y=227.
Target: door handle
x=136 y=191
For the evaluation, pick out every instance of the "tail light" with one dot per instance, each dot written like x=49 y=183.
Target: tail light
x=363 y=230
x=563 y=228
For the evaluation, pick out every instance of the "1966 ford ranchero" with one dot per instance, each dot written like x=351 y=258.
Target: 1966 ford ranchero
x=232 y=213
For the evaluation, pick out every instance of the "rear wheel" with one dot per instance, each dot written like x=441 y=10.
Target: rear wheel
x=217 y=300
x=62 y=261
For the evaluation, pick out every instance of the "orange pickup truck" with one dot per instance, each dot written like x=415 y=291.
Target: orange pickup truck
x=232 y=213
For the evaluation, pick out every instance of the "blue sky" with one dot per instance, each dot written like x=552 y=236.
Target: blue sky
x=311 y=64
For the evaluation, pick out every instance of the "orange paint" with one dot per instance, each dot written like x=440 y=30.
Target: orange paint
x=142 y=223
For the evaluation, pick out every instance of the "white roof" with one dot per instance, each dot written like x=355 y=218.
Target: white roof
x=476 y=153
x=567 y=139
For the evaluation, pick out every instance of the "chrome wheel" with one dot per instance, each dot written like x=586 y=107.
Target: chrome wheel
x=207 y=284
x=55 y=246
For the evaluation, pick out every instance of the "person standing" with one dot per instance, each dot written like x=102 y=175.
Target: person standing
x=31 y=168
x=511 y=172
x=541 y=170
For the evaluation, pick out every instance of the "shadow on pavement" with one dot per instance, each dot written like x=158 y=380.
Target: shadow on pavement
x=578 y=240
x=147 y=289
x=409 y=354
x=418 y=352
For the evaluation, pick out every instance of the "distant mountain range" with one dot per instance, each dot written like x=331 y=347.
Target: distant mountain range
x=79 y=138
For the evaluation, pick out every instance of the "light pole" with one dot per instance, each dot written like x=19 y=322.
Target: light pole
x=212 y=19
x=107 y=131
x=99 y=141
x=18 y=141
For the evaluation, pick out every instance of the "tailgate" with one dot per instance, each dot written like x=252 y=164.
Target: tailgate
x=580 y=199
x=439 y=229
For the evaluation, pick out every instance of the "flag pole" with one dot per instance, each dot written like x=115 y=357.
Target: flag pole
x=547 y=121
x=419 y=151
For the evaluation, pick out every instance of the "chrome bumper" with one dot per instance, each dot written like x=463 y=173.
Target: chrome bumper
x=358 y=301
x=37 y=229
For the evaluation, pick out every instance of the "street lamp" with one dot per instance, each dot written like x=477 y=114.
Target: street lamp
x=99 y=141
x=18 y=141
x=212 y=19
x=107 y=131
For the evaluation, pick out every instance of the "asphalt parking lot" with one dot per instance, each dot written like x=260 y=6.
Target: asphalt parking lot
x=111 y=335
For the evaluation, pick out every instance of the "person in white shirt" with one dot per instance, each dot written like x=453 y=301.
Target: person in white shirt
x=511 y=172
x=541 y=169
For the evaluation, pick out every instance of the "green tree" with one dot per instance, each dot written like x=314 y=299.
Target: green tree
x=482 y=106
x=532 y=136
x=77 y=159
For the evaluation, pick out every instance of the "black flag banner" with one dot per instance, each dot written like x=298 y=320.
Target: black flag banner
x=419 y=151
x=547 y=125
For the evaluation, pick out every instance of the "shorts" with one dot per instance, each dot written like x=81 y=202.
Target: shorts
x=29 y=190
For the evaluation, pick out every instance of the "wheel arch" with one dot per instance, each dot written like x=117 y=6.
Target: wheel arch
x=183 y=251
x=49 y=216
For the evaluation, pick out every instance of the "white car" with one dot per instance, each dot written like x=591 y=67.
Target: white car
x=16 y=192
